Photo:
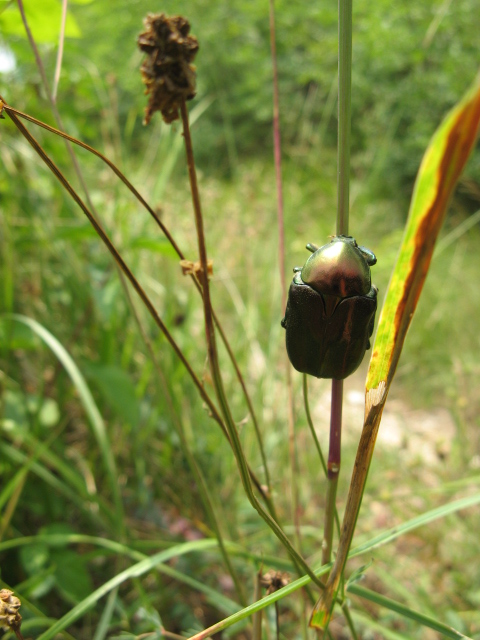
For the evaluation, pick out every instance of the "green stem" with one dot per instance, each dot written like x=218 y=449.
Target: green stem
x=344 y=113
x=343 y=205
x=53 y=104
x=343 y=195
x=214 y=362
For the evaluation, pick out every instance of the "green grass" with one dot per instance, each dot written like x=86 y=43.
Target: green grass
x=90 y=449
x=86 y=309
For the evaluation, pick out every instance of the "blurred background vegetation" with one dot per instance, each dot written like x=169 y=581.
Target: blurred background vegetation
x=412 y=62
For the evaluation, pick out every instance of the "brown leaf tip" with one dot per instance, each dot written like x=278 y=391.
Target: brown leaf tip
x=167 y=71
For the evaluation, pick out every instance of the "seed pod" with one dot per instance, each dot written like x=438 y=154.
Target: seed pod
x=331 y=308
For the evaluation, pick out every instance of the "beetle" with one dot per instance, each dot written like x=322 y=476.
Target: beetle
x=331 y=309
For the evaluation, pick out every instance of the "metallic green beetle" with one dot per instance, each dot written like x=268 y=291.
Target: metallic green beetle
x=331 y=309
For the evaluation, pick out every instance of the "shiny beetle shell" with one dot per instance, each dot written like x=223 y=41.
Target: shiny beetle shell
x=331 y=310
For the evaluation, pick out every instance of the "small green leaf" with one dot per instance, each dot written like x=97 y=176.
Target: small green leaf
x=118 y=390
x=71 y=574
x=43 y=17
x=34 y=557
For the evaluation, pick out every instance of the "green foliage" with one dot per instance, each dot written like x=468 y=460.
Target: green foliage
x=95 y=396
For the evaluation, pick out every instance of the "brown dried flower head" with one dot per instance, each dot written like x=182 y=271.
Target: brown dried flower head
x=274 y=580
x=167 y=71
x=9 y=605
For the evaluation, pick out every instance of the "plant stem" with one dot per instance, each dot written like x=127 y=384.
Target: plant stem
x=13 y=113
x=333 y=467
x=214 y=363
x=315 y=439
x=277 y=153
x=53 y=102
x=344 y=113
x=343 y=196
x=343 y=204
x=61 y=41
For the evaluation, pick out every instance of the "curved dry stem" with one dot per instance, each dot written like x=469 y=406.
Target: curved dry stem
x=266 y=494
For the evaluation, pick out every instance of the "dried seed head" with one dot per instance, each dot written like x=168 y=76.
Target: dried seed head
x=167 y=72
x=274 y=580
x=9 y=605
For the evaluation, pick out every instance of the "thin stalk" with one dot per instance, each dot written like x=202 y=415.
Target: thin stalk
x=125 y=269
x=61 y=40
x=343 y=205
x=277 y=153
x=306 y=405
x=315 y=439
x=13 y=113
x=266 y=495
x=333 y=468
x=52 y=100
x=257 y=616
x=349 y=619
x=194 y=467
x=214 y=362
x=343 y=196
x=344 y=113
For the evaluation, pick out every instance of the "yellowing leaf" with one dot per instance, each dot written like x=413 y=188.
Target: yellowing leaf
x=441 y=167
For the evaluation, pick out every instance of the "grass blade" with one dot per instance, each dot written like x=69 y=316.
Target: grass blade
x=86 y=398
x=135 y=571
x=380 y=540
x=406 y=612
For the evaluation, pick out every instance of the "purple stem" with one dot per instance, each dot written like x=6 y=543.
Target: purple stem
x=334 y=453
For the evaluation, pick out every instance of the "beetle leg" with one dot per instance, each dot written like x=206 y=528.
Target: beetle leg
x=311 y=247
x=369 y=256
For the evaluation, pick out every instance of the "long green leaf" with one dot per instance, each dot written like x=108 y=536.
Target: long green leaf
x=406 y=612
x=49 y=478
x=439 y=172
x=86 y=398
x=379 y=540
x=135 y=571
x=146 y=564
